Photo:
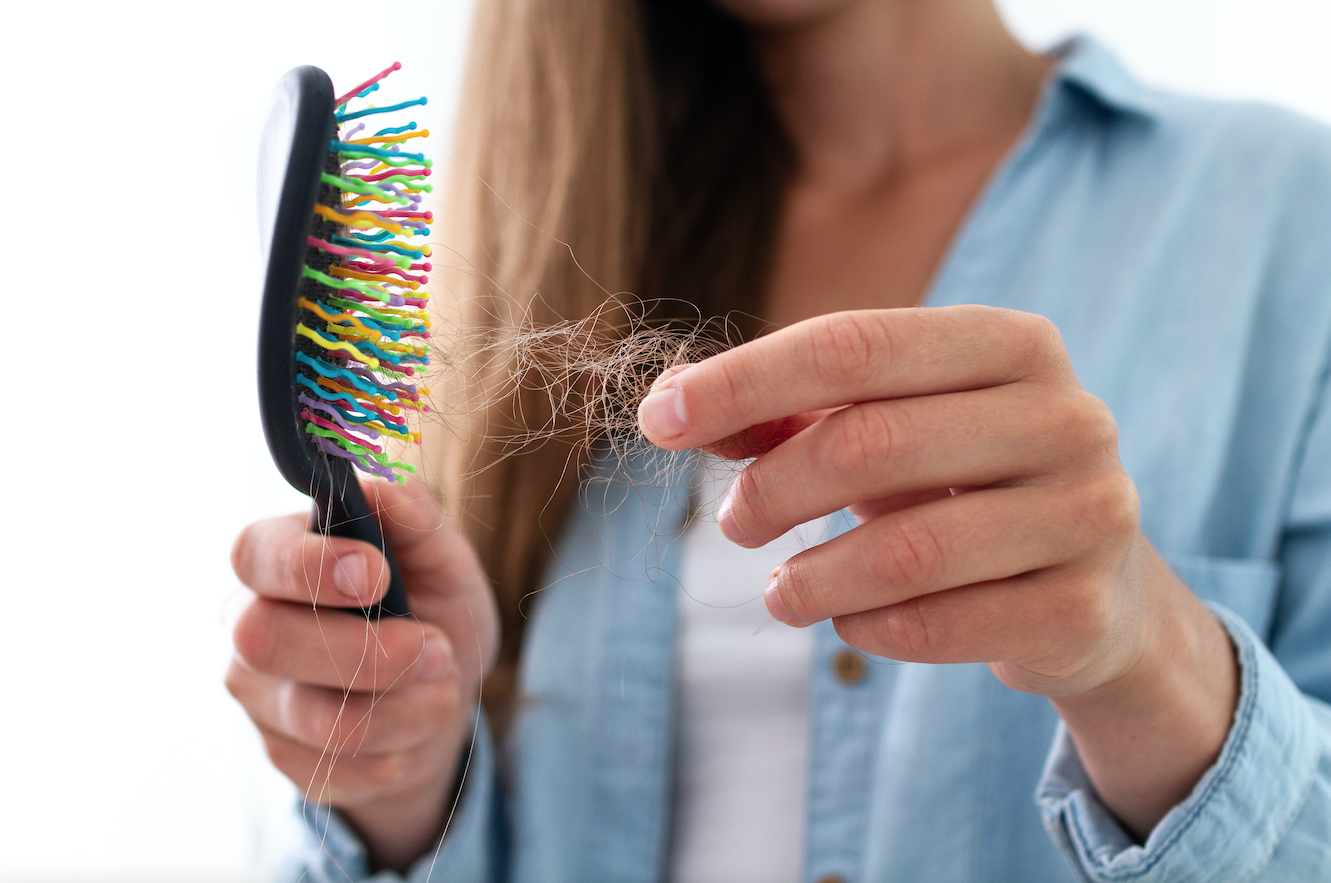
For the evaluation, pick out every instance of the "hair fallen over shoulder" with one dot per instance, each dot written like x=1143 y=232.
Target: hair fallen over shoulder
x=602 y=147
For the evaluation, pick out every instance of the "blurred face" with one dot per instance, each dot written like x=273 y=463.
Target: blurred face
x=785 y=13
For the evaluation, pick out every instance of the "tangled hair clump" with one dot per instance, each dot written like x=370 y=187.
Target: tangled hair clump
x=588 y=375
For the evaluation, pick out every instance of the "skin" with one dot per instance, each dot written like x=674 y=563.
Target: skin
x=997 y=524
x=372 y=719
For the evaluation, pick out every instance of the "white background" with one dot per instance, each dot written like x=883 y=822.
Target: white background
x=132 y=444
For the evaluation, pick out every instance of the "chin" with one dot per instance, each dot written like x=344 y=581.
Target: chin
x=783 y=13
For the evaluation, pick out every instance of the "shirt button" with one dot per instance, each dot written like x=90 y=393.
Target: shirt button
x=849 y=668
x=831 y=878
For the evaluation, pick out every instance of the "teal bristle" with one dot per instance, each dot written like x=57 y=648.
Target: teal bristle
x=362 y=332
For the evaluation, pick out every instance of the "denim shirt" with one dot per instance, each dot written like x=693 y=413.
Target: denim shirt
x=1183 y=248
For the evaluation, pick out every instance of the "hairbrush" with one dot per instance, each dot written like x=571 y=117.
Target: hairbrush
x=343 y=329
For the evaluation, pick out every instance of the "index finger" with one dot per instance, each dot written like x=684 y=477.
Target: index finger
x=281 y=559
x=845 y=358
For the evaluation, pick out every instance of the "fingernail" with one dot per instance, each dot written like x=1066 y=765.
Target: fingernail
x=729 y=527
x=661 y=415
x=436 y=659
x=775 y=605
x=351 y=576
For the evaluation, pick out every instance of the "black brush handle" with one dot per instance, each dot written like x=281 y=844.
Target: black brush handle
x=344 y=512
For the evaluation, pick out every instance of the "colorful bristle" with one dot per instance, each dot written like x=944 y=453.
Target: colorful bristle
x=362 y=333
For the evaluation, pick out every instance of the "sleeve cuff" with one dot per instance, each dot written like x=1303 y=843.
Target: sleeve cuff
x=329 y=851
x=1236 y=815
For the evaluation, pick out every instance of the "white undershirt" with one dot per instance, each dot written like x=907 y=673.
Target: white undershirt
x=743 y=731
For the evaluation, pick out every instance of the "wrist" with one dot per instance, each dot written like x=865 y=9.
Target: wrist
x=398 y=828
x=1147 y=736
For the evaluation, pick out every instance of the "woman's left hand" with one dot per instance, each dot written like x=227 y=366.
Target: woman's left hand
x=997 y=523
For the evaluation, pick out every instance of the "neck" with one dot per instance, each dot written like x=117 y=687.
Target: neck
x=875 y=88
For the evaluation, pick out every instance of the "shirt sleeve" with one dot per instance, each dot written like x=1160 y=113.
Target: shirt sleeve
x=330 y=852
x=1263 y=810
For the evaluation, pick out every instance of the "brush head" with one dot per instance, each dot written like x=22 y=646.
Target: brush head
x=343 y=329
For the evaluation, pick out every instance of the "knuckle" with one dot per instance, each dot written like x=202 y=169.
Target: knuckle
x=318 y=721
x=872 y=434
x=1112 y=504
x=1074 y=612
x=907 y=631
x=390 y=664
x=1043 y=342
x=1088 y=612
x=909 y=552
x=863 y=436
x=1041 y=329
x=235 y=682
x=849 y=347
x=1090 y=422
x=241 y=554
x=403 y=649
x=255 y=638
x=1042 y=332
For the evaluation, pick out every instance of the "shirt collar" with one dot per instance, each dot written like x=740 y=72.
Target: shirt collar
x=1087 y=66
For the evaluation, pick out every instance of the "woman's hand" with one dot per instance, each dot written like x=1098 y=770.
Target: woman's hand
x=371 y=718
x=997 y=524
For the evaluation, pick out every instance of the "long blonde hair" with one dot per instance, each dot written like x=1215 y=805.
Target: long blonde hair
x=602 y=146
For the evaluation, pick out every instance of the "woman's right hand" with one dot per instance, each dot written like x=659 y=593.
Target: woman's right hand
x=369 y=717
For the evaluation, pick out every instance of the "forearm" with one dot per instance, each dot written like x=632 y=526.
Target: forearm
x=1148 y=736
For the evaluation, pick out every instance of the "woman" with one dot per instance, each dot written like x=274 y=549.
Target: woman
x=819 y=163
